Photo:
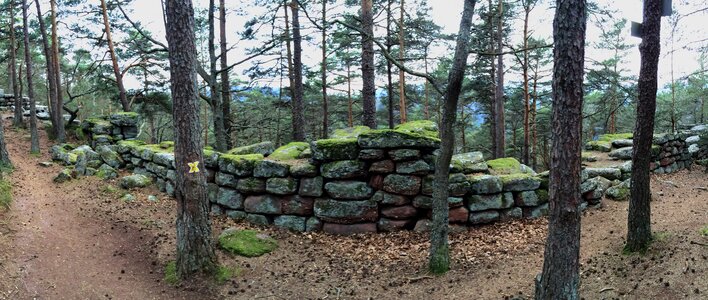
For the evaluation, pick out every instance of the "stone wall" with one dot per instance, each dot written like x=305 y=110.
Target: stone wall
x=361 y=180
x=8 y=100
x=109 y=130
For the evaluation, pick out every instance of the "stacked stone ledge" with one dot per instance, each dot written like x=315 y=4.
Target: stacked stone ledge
x=359 y=181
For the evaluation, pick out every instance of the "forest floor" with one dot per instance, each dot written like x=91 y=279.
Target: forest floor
x=77 y=240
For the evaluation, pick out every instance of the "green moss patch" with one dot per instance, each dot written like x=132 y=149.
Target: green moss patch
x=5 y=194
x=421 y=127
x=350 y=132
x=224 y=273
x=335 y=149
x=289 y=152
x=167 y=144
x=171 y=277
x=615 y=136
x=502 y=166
x=704 y=231
x=248 y=243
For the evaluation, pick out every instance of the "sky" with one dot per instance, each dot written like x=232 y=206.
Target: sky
x=446 y=13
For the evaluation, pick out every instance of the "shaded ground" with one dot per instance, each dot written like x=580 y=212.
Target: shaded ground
x=78 y=241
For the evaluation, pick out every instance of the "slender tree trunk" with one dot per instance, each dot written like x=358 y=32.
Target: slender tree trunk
x=325 y=110
x=639 y=218
x=401 y=73
x=297 y=105
x=493 y=82
x=426 y=108
x=673 y=86
x=389 y=67
x=499 y=91
x=34 y=135
x=525 y=66
x=225 y=82
x=60 y=131
x=289 y=51
x=217 y=109
x=114 y=59
x=51 y=80
x=534 y=126
x=439 y=259
x=349 y=94
x=13 y=69
x=560 y=278
x=195 y=253
x=462 y=126
x=368 y=91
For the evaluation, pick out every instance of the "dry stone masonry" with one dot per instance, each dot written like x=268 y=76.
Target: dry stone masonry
x=358 y=181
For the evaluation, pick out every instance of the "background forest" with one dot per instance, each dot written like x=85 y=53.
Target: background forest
x=280 y=71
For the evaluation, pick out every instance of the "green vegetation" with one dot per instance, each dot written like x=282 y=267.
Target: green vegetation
x=109 y=189
x=290 y=151
x=248 y=243
x=171 y=277
x=421 y=127
x=224 y=273
x=660 y=236
x=349 y=132
x=504 y=166
x=616 y=136
x=5 y=194
x=704 y=230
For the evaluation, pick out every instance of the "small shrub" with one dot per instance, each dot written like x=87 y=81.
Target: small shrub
x=704 y=231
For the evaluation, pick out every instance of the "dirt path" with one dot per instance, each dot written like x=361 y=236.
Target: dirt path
x=65 y=248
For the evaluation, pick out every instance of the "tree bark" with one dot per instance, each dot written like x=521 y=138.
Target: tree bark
x=114 y=59
x=217 y=109
x=525 y=67
x=499 y=91
x=350 y=113
x=13 y=69
x=401 y=74
x=225 y=82
x=59 y=103
x=297 y=105
x=534 y=126
x=368 y=91
x=439 y=259
x=492 y=81
x=639 y=218
x=560 y=278
x=51 y=80
x=325 y=110
x=34 y=135
x=195 y=252
x=389 y=67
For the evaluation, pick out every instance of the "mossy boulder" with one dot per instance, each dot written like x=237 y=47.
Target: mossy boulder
x=124 y=146
x=335 y=149
x=345 y=212
x=624 y=153
x=290 y=151
x=311 y=187
x=294 y=223
x=263 y=148
x=343 y=169
x=620 y=192
x=264 y=204
x=350 y=190
x=167 y=145
x=248 y=243
x=504 y=166
x=457 y=185
x=485 y=202
x=302 y=168
x=391 y=138
x=408 y=185
x=164 y=159
x=471 y=162
x=485 y=184
x=419 y=167
x=239 y=165
x=229 y=198
x=269 y=168
x=520 y=182
x=601 y=146
x=349 y=132
x=609 y=173
x=426 y=202
x=251 y=185
x=110 y=157
x=97 y=126
x=125 y=119
x=404 y=154
x=281 y=186
x=422 y=127
x=106 y=172
x=135 y=181
x=64 y=175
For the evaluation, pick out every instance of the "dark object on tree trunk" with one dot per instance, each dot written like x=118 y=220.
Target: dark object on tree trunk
x=639 y=217
x=560 y=278
x=368 y=91
x=195 y=252
x=439 y=260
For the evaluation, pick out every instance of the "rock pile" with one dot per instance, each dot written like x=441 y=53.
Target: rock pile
x=109 y=130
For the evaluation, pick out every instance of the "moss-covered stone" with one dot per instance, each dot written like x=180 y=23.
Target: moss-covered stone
x=343 y=169
x=542 y=195
x=167 y=144
x=126 y=146
x=64 y=175
x=294 y=223
x=471 y=162
x=97 y=126
x=485 y=184
x=349 y=132
x=504 y=166
x=248 y=243
x=281 y=186
x=350 y=190
x=251 y=185
x=335 y=149
x=615 y=136
x=422 y=127
x=302 y=168
x=135 y=181
x=311 y=187
x=408 y=185
x=229 y=198
x=106 y=172
x=269 y=168
x=426 y=202
x=520 y=182
x=602 y=146
x=346 y=212
x=110 y=157
x=264 y=204
x=485 y=202
x=418 y=167
x=404 y=154
x=263 y=148
x=391 y=138
x=239 y=165
x=290 y=151
x=125 y=119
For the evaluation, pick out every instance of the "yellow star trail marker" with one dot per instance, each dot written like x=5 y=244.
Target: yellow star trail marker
x=193 y=167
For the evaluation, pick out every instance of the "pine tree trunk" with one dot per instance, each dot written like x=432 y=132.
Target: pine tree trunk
x=325 y=109
x=297 y=105
x=492 y=86
x=639 y=218
x=51 y=80
x=59 y=103
x=499 y=91
x=195 y=252
x=114 y=59
x=401 y=74
x=389 y=67
x=525 y=66
x=534 y=126
x=350 y=113
x=13 y=69
x=34 y=135
x=217 y=109
x=560 y=278
x=439 y=259
x=225 y=82
x=368 y=76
